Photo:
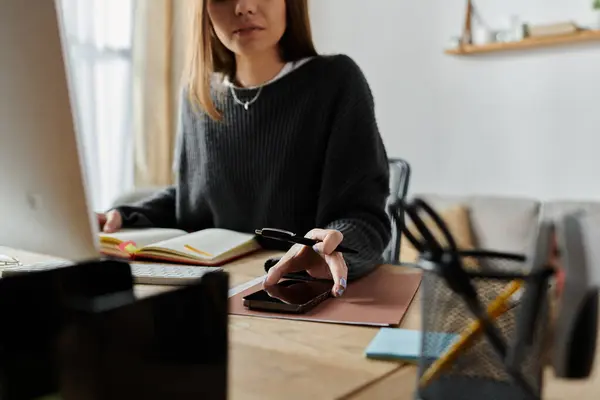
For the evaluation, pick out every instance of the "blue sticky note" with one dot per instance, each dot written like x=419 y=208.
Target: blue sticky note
x=405 y=344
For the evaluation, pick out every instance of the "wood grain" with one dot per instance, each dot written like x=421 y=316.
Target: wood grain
x=274 y=359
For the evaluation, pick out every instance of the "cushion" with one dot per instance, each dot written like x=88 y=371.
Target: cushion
x=500 y=223
x=504 y=224
x=457 y=220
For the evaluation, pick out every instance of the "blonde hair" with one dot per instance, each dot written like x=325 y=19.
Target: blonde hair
x=206 y=55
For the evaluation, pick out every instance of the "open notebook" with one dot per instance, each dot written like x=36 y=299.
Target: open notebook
x=206 y=247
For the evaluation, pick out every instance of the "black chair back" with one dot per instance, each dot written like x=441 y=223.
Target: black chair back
x=400 y=173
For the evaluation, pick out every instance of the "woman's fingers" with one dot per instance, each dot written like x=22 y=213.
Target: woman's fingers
x=101 y=220
x=285 y=265
x=339 y=272
x=335 y=268
x=113 y=222
x=329 y=240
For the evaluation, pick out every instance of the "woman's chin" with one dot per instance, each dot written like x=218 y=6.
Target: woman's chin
x=250 y=47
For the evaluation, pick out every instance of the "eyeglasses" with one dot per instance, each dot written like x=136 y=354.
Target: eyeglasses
x=8 y=261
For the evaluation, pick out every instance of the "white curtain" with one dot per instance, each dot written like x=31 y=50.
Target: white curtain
x=99 y=38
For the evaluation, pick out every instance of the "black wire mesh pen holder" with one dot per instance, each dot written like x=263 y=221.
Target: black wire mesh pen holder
x=478 y=372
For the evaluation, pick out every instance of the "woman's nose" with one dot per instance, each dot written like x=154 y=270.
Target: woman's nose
x=246 y=7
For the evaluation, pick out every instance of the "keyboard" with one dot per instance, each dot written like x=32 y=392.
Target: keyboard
x=145 y=274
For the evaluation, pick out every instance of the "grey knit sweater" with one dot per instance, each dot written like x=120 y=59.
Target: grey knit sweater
x=306 y=154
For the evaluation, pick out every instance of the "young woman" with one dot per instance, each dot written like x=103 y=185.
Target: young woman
x=273 y=135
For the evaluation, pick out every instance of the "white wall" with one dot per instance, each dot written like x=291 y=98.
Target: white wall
x=515 y=124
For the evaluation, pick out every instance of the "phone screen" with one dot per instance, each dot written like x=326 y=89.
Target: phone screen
x=293 y=292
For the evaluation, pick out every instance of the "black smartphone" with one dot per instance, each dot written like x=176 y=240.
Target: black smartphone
x=290 y=296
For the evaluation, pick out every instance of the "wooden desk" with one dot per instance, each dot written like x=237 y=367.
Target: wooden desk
x=274 y=359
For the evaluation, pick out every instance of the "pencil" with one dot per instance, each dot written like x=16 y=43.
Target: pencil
x=187 y=246
x=496 y=308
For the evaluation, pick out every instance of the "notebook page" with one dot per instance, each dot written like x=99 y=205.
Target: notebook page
x=144 y=237
x=207 y=243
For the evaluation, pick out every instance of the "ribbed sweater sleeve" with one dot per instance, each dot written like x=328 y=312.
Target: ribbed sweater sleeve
x=355 y=182
x=156 y=211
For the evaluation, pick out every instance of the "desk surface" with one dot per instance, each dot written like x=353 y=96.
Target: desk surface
x=273 y=359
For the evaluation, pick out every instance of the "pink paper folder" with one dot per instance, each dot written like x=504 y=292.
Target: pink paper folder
x=378 y=299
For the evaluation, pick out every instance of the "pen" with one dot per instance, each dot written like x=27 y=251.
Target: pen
x=279 y=234
x=499 y=306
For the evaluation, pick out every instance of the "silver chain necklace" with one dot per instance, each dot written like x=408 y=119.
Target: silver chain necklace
x=248 y=103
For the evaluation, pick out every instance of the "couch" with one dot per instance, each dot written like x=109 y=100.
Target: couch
x=504 y=223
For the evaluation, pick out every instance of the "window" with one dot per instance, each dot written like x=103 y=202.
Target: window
x=99 y=39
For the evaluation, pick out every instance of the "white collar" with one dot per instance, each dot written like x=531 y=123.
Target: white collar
x=287 y=68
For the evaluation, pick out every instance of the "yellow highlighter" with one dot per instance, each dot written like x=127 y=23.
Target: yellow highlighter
x=496 y=308
x=190 y=248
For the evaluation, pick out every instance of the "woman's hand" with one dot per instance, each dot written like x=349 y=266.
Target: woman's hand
x=320 y=262
x=110 y=222
x=289 y=294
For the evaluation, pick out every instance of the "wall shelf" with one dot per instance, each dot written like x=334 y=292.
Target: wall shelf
x=528 y=43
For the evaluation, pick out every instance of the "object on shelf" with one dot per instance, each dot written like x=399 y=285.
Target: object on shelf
x=556 y=29
x=454 y=42
x=475 y=30
x=483 y=35
x=516 y=31
x=517 y=28
x=504 y=37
